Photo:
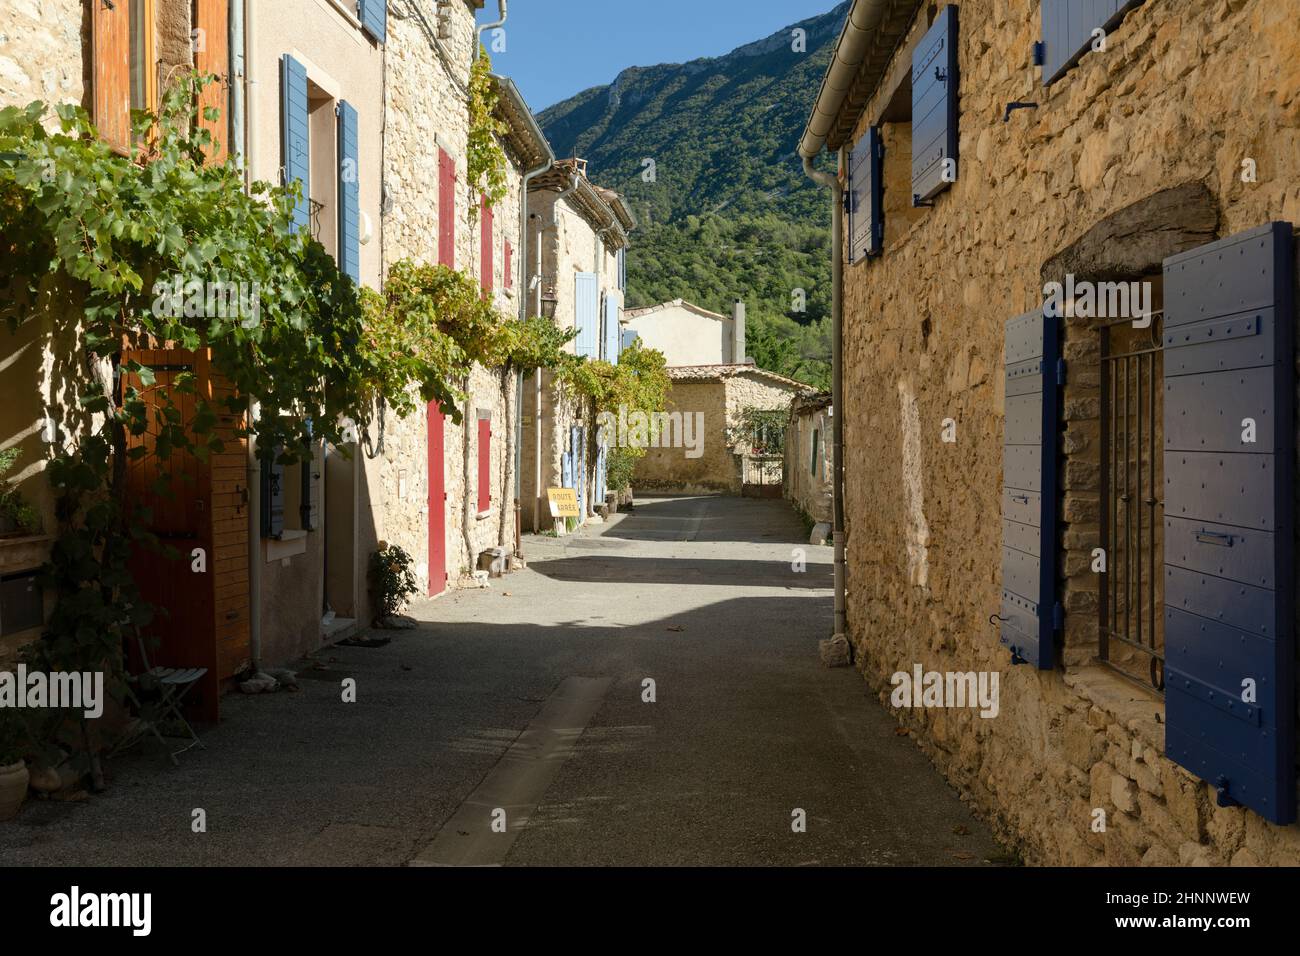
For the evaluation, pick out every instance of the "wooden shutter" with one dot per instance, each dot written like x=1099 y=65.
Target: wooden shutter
x=1030 y=616
x=629 y=338
x=611 y=330
x=587 y=317
x=272 y=516
x=373 y=15
x=934 y=106
x=487 y=263
x=865 y=197
x=294 y=137
x=446 y=210
x=1229 y=563
x=212 y=55
x=484 y=464
x=110 y=28
x=1067 y=27
x=349 y=189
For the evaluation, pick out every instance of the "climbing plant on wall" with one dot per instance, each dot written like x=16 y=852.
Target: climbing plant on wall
x=487 y=164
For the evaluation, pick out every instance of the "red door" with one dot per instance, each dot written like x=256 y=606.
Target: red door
x=437 y=504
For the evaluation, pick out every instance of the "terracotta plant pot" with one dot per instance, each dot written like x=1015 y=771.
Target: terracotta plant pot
x=13 y=789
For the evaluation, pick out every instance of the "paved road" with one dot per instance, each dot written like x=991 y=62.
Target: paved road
x=528 y=698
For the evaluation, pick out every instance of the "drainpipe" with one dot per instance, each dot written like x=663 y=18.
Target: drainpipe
x=250 y=91
x=255 y=562
x=478 y=35
x=832 y=183
x=237 y=69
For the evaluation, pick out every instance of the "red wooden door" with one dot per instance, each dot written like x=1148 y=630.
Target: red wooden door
x=183 y=632
x=437 y=504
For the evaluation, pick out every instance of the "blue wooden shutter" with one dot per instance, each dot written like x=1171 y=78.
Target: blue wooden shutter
x=587 y=314
x=1229 y=356
x=349 y=193
x=622 y=269
x=934 y=106
x=373 y=15
x=294 y=138
x=866 y=196
x=1029 y=489
x=629 y=337
x=1067 y=27
x=612 y=337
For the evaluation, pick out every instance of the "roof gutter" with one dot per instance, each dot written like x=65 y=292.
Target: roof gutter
x=478 y=35
x=850 y=51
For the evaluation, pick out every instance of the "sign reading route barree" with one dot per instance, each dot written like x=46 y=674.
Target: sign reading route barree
x=564 y=502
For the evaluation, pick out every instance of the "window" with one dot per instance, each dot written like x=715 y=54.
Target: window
x=373 y=15
x=587 y=314
x=508 y=265
x=487 y=267
x=934 y=109
x=446 y=209
x=816 y=436
x=865 y=197
x=125 y=76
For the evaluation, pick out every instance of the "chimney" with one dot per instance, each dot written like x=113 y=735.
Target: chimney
x=738 y=334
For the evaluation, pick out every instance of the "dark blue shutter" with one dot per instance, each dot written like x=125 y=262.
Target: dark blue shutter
x=1229 y=356
x=866 y=196
x=934 y=106
x=1029 y=489
x=294 y=138
x=349 y=193
x=1067 y=27
x=272 y=504
x=373 y=15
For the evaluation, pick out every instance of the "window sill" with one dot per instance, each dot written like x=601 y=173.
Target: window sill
x=288 y=545
x=1140 y=712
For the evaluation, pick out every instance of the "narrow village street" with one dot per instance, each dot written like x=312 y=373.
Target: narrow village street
x=528 y=696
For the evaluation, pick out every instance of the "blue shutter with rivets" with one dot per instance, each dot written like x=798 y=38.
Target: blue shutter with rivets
x=1229 y=629
x=587 y=314
x=1029 y=487
x=865 y=196
x=349 y=193
x=373 y=15
x=1067 y=27
x=934 y=108
x=294 y=138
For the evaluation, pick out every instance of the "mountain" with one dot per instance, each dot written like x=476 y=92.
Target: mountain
x=705 y=153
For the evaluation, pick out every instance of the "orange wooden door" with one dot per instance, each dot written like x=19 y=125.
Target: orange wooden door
x=175 y=488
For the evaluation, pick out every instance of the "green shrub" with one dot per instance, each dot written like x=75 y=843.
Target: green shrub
x=391 y=580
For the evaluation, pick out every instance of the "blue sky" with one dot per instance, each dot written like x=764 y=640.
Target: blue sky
x=555 y=48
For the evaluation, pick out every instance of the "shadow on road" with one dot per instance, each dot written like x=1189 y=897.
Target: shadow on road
x=613 y=569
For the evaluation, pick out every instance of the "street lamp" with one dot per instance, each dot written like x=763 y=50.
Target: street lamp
x=550 y=302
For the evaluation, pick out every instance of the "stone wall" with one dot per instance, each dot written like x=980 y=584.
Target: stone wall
x=722 y=401
x=808 y=466
x=41 y=52
x=1182 y=96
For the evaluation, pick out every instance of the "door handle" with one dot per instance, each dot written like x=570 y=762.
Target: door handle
x=1215 y=538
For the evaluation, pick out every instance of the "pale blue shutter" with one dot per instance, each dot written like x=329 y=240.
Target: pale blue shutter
x=1029 y=484
x=373 y=15
x=629 y=338
x=934 y=107
x=587 y=314
x=612 y=338
x=1229 y=526
x=294 y=138
x=349 y=193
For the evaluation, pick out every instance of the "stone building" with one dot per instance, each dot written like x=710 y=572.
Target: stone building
x=577 y=276
x=808 y=456
x=712 y=443
x=997 y=188
x=110 y=59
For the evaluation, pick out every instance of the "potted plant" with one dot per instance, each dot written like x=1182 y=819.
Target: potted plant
x=13 y=769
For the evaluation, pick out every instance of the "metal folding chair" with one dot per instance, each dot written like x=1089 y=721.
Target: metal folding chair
x=166 y=687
